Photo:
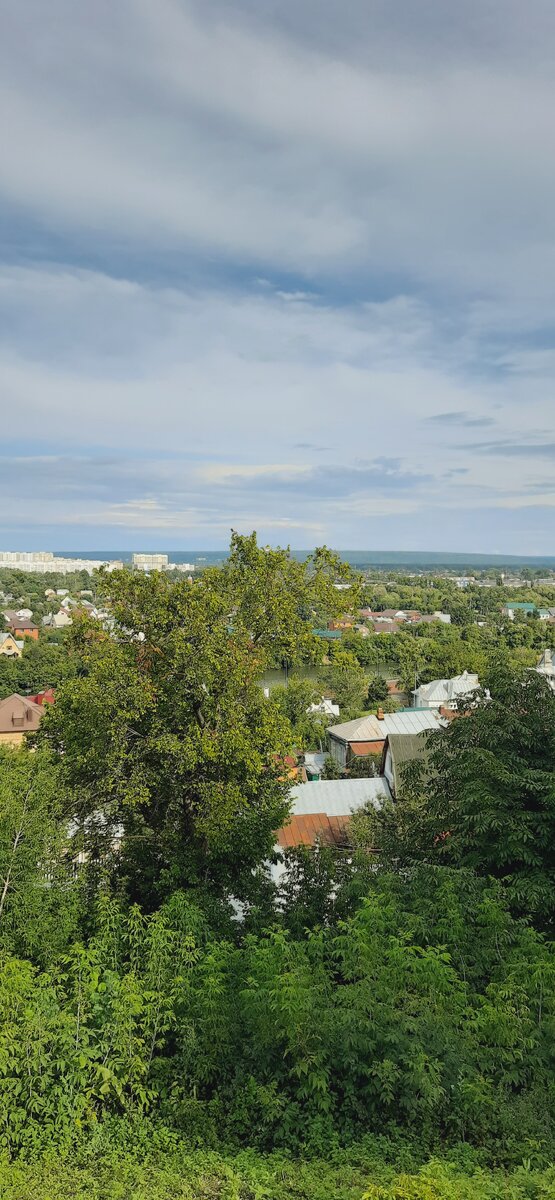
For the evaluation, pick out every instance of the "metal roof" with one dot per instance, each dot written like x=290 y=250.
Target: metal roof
x=441 y=691
x=337 y=797
x=374 y=729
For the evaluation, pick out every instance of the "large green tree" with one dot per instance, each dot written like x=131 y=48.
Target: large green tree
x=166 y=739
x=486 y=798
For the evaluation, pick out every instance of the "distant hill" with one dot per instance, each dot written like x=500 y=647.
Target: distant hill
x=415 y=560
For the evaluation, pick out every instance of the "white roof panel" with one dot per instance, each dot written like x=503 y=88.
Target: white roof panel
x=374 y=729
x=337 y=797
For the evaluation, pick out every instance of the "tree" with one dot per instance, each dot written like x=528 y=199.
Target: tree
x=486 y=800
x=167 y=733
x=331 y=768
x=276 y=600
x=347 y=682
x=35 y=904
x=365 y=766
x=377 y=691
x=410 y=658
x=293 y=701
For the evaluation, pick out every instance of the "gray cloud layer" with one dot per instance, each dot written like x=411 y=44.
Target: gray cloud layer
x=274 y=262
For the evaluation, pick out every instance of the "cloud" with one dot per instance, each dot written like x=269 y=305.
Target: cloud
x=265 y=265
x=505 y=449
x=310 y=446
x=215 y=130
x=464 y=419
x=206 y=389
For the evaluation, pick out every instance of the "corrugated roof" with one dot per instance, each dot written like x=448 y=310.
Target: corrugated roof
x=314 y=761
x=308 y=830
x=372 y=729
x=321 y=811
x=440 y=691
x=362 y=749
x=337 y=797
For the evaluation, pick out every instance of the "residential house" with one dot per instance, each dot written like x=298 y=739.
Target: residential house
x=330 y=635
x=18 y=716
x=399 y=750
x=384 y=625
x=432 y=618
x=341 y=623
x=47 y=696
x=443 y=693
x=59 y=620
x=24 y=614
x=324 y=708
x=512 y=607
x=9 y=646
x=20 y=626
x=366 y=735
x=409 y=616
x=321 y=811
x=391 y=614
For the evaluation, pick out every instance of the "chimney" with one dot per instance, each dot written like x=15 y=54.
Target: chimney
x=380 y=714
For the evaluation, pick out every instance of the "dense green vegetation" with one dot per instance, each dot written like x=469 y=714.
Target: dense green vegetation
x=44 y=663
x=28 y=590
x=174 y=1022
x=167 y=1171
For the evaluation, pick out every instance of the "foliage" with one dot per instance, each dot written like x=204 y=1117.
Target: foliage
x=364 y=766
x=489 y=800
x=382 y=1004
x=347 y=682
x=37 y=905
x=293 y=701
x=377 y=690
x=135 y=1162
x=166 y=732
x=47 y=662
x=399 y=1014
x=331 y=768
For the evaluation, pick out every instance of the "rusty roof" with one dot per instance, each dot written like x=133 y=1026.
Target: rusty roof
x=313 y=829
x=361 y=749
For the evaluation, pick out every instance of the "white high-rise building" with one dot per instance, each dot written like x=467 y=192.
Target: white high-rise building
x=44 y=562
x=150 y=562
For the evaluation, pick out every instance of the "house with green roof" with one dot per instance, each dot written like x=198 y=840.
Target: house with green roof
x=512 y=607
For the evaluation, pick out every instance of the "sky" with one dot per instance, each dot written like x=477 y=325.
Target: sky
x=277 y=266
